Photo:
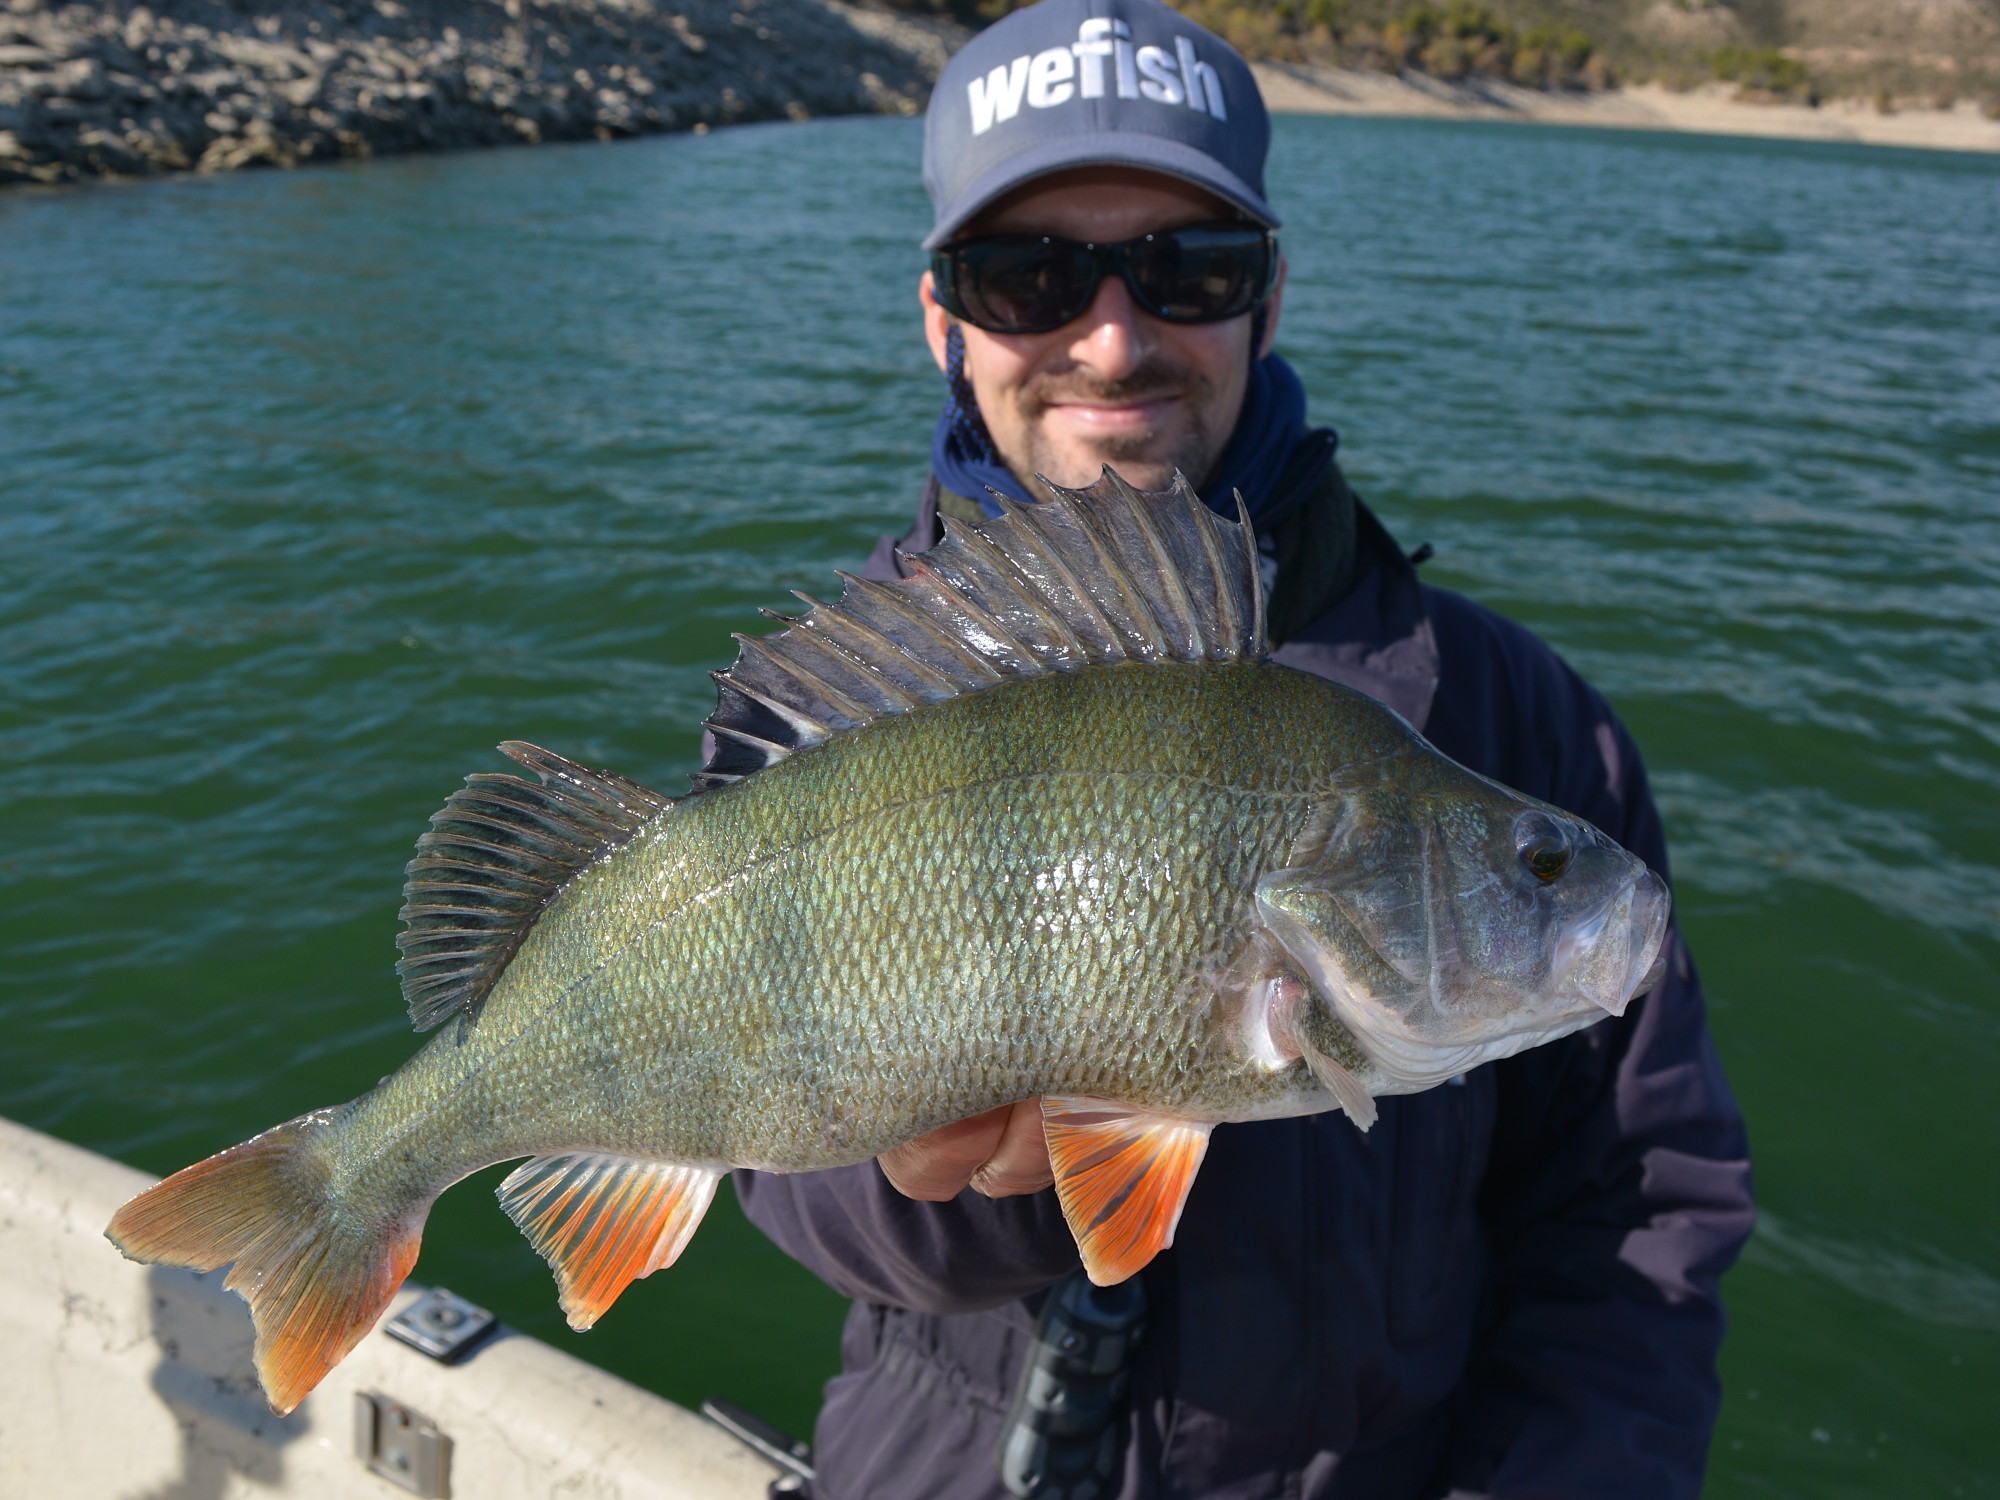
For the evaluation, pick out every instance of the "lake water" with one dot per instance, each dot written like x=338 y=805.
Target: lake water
x=315 y=486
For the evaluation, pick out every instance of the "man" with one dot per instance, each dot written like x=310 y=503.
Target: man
x=1508 y=1286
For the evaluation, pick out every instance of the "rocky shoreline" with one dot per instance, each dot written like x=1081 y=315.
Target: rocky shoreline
x=107 y=88
x=111 y=89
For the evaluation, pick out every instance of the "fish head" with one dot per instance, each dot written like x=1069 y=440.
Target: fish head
x=1447 y=921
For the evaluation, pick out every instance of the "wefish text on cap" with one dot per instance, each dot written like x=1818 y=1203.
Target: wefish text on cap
x=1074 y=83
x=1055 y=76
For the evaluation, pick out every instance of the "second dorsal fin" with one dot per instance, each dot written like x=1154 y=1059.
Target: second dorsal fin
x=1103 y=574
x=497 y=853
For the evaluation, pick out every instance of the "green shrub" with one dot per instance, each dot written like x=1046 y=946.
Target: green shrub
x=1763 y=70
x=1447 y=57
x=1468 y=37
x=1566 y=47
x=1450 y=39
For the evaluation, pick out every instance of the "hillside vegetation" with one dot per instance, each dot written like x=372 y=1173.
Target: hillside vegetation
x=1897 y=52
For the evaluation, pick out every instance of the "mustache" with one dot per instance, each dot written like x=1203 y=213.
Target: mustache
x=1153 y=378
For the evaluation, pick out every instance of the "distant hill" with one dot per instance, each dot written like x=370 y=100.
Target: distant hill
x=1912 y=52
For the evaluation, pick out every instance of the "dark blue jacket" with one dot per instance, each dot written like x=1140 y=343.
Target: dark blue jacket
x=1507 y=1287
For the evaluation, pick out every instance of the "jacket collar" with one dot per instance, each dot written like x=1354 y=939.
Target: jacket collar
x=1377 y=639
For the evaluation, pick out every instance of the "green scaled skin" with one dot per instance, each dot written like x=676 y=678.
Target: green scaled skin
x=1029 y=890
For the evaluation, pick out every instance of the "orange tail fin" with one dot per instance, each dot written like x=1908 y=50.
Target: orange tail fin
x=316 y=1278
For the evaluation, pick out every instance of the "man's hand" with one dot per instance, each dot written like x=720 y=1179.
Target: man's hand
x=1000 y=1153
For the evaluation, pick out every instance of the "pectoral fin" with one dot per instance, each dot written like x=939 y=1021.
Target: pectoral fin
x=1122 y=1175
x=1343 y=1085
x=603 y=1222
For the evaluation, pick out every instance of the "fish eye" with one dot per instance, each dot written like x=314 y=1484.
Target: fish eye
x=1545 y=861
x=1544 y=846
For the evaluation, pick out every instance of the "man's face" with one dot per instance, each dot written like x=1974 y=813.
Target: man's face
x=1117 y=385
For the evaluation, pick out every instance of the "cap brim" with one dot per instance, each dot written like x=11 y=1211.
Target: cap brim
x=1150 y=153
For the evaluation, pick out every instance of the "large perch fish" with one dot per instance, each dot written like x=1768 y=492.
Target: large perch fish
x=1038 y=821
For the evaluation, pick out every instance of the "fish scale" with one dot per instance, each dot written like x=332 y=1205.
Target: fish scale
x=882 y=899
x=861 y=956
x=1039 y=822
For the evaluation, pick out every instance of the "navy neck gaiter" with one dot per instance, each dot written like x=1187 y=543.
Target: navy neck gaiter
x=1272 y=422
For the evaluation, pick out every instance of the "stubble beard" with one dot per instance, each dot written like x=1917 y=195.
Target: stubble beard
x=1144 y=458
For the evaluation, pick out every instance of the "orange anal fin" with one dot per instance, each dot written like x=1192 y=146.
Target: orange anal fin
x=1122 y=1175
x=602 y=1222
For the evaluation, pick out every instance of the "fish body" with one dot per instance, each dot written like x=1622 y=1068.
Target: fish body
x=1082 y=843
x=1000 y=897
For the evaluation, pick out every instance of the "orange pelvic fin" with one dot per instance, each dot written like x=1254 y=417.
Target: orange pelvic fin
x=1122 y=1175
x=602 y=1222
x=315 y=1278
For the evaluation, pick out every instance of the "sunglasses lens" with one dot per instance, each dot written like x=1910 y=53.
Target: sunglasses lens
x=1018 y=283
x=1023 y=283
x=1201 y=275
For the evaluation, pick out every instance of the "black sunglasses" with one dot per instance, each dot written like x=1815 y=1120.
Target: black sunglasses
x=1034 y=283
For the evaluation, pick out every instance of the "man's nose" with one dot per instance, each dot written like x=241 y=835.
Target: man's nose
x=1112 y=338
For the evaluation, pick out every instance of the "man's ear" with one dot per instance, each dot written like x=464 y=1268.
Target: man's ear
x=1273 y=305
x=937 y=322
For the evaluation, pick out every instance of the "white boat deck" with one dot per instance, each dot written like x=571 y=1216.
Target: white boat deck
x=128 y=1382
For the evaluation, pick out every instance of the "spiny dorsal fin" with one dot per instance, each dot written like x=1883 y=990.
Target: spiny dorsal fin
x=1103 y=574
x=497 y=853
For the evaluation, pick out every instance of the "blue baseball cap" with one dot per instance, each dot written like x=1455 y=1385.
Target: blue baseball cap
x=1090 y=83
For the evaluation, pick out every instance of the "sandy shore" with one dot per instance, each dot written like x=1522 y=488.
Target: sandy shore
x=1299 y=89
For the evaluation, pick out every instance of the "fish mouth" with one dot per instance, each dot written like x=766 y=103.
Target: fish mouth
x=1605 y=957
x=1579 y=938
x=1643 y=910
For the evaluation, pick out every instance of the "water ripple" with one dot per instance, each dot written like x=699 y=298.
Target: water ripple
x=317 y=485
